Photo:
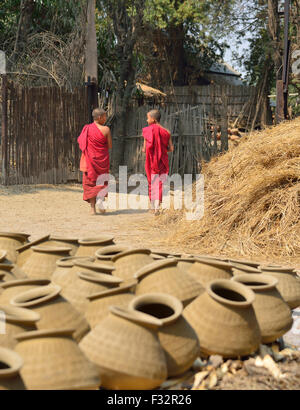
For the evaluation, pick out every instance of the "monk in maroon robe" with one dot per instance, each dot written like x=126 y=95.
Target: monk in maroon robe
x=157 y=144
x=94 y=142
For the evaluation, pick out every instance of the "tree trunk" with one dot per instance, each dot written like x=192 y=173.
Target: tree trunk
x=24 y=26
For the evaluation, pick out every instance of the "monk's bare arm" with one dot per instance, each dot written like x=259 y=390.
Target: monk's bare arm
x=144 y=146
x=171 y=146
x=109 y=139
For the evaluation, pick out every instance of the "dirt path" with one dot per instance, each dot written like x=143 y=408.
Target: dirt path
x=60 y=210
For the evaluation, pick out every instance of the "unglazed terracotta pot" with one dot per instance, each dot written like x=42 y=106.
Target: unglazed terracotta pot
x=53 y=361
x=126 y=348
x=241 y=269
x=177 y=337
x=104 y=255
x=55 y=311
x=64 y=266
x=10 y=241
x=130 y=261
x=88 y=246
x=224 y=319
x=42 y=262
x=165 y=277
x=99 y=303
x=64 y=241
x=13 y=321
x=288 y=284
x=10 y=366
x=272 y=313
x=25 y=251
x=11 y=289
x=204 y=270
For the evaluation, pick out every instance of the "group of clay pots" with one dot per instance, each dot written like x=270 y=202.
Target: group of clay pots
x=80 y=314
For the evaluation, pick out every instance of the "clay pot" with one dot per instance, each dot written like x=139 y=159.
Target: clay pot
x=165 y=277
x=130 y=261
x=9 y=290
x=64 y=266
x=272 y=313
x=104 y=255
x=88 y=246
x=13 y=321
x=177 y=337
x=10 y=366
x=10 y=241
x=55 y=311
x=25 y=251
x=224 y=319
x=288 y=284
x=42 y=262
x=204 y=270
x=65 y=242
x=241 y=269
x=99 y=303
x=53 y=360
x=127 y=351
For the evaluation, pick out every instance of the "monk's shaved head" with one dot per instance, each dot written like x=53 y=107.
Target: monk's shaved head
x=98 y=112
x=155 y=114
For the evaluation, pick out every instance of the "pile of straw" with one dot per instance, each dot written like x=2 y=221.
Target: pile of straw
x=252 y=199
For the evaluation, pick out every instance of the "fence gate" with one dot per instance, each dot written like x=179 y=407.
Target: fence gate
x=39 y=134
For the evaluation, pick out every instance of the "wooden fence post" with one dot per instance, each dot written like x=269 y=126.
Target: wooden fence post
x=224 y=119
x=4 y=124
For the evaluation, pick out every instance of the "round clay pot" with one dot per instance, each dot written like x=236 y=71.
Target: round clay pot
x=127 y=351
x=177 y=337
x=13 y=321
x=88 y=246
x=288 y=284
x=10 y=241
x=9 y=290
x=99 y=303
x=25 y=251
x=42 y=262
x=55 y=311
x=10 y=366
x=241 y=269
x=272 y=313
x=53 y=361
x=130 y=261
x=64 y=241
x=104 y=255
x=165 y=277
x=204 y=270
x=64 y=266
x=224 y=319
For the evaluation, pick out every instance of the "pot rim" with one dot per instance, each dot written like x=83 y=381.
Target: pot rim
x=94 y=266
x=135 y=316
x=96 y=241
x=244 y=262
x=243 y=290
x=62 y=239
x=192 y=259
x=246 y=268
x=99 y=277
x=211 y=257
x=279 y=269
x=159 y=298
x=104 y=252
x=268 y=281
x=23 y=236
x=11 y=359
x=33 y=243
x=21 y=282
x=214 y=262
x=7 y=266
x=114 y=291
x=41 y=294
x=44 y=333
x=166 y=254
x=51 y=249
x=15 y=314
x=3 y=254
x=68 y=261
x=152 y=267
x=130 y=251
x=156 y=256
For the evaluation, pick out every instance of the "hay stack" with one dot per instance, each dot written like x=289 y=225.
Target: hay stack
x=252 y=199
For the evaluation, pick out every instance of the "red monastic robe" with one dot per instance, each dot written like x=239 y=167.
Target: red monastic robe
x=157 y=161
x=94 y=160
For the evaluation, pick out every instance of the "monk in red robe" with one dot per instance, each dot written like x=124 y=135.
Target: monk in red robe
x=95 y=141
x=157 y=144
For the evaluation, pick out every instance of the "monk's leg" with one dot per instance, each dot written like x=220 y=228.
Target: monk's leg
x=93 y=206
